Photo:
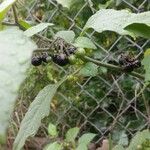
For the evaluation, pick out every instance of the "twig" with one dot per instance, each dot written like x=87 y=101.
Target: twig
x=113 y=67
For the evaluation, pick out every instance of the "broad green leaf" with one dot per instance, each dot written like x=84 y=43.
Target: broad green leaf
x=38 y=109
x=35 y=29
x=24 y=24
x=138 y=139
x=65 y=3
x=15 y=58
x=139 y=29
x=146 y=64
x=84 y=140
x=68 y=36
x=116 y=20
x=118 y=147
x=53 y=146
x=84 y=42
x=4 y=7
x=52 y=130
x=89 y=69
x=72 y=134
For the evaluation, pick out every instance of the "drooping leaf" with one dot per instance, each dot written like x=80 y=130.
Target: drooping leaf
x=84 y=42
x=38 y=109
x=68 y=36
x=65 y=3
x=139 y=29
x=146 y=64
x=4 y=7
x=72 y=134
x=14 y=60
x=84 y=140
x=116 y=20
x=89 y=69
x=35 y=29
x=53 y=146
x=139 y=139
x=52 y=130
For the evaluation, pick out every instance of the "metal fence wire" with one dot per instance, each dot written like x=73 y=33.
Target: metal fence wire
x=109 y=102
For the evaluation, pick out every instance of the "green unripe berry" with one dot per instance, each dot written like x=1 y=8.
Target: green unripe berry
x=80 y=52
x=72 y=59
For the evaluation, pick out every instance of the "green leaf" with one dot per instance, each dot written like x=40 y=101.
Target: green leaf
x=118 y=147
x=89 y=69
x=72 y=134
x=4 y=7
x=65 y=3
x=138 y=139
x=146 y=63
x=84 y=140
x=52 y=130
x=35 y=29
x=53 y=146
x=15 y=58
x=106 y=5
x=116 y=20
x=84 y=42
x=38 y=109
x=139 y=29
x=24 y=24
x=68 y=36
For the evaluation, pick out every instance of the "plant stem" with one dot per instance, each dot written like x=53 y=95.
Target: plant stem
x=113 y=67
x=15 y=14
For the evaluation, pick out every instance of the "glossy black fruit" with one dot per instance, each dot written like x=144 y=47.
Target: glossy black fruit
x=44 y=57
x=60 y=59
x=36 y=61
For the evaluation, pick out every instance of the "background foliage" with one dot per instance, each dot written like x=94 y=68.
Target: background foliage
x=100 y=101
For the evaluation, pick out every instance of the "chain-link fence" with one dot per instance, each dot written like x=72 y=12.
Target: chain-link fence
x=110 y=102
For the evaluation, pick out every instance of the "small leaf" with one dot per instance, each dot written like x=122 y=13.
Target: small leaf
x=123 y=140
x=35 y=29
x=53 y=146
x=38 y=109
x=72 y=134
x=84 y=140
x=68 y=36
x=65 y=3
x=52 y=130
x=4 y=7
x=89 y=69
x=139 y=29
x=146 y=63
x=15 y=58
x=24 y=24
x=84 y=42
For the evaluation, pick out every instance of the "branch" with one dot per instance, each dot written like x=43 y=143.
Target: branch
x=112 y=67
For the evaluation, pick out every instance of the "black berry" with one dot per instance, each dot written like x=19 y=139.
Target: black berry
x=36 y=61
x=44 y=57
x=60 y=59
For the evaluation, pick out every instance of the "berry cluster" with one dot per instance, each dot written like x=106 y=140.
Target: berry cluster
x=37 y=60
x=62 y=58
x=128 y=63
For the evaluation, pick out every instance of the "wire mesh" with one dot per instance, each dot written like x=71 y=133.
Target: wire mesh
x=105 y=103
